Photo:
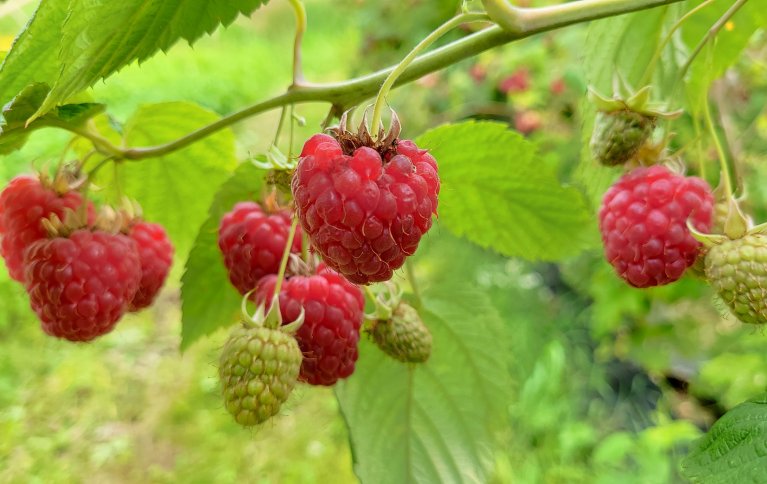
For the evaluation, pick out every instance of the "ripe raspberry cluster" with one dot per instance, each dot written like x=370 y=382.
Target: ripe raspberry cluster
x=252 y=242
x=81 y=278
x=365 y=210
x=643 y=220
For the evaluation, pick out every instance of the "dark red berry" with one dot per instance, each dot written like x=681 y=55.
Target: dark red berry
x=643 y=223
x=365 y=214
x=331 y=331
x=155 y=252
x=81 y=285
x=23 y=204
x=253 y=242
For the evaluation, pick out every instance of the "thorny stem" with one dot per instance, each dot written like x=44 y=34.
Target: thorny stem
x=354 y=91
x=300 y=11
x=402 y=66
x=659 y=51
x=410 y=274
x=719 y=151
x=285 y=257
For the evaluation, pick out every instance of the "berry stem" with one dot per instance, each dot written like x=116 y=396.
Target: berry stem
x=279 y=125
x=410 y=274
x=285 y=256
x=292 y=131
x=353 y=91
x=300 y=12
x=719 y=151
x=410 y=57
x=708 y=37
x=659 y=51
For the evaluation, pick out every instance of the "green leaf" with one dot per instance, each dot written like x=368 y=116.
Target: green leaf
x=497 y=193
x=99 y=37
x=208 y=300
x=177 y=189
x=14 y=130
x=714 y=60
x=734 y=450
x=433 y=422
x=33 y=55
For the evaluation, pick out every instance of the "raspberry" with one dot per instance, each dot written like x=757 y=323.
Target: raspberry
x=363 y=213
x=258 y=369
x=23 y=204
x=330 y=333
x=643 y=223
x=404 y=337
x=619 y=135
x=252 y=243
x=155 y=253
x=736 y=269
x=81 y=285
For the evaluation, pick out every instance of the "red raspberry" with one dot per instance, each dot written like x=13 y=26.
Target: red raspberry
x=81 y=285
x=363 y=214
x=253 y=242
x=331 y=331
x=643 y=223
x=23 y=204
x=155 y=253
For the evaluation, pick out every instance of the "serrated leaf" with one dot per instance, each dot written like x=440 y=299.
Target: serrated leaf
x=497 y=193
x=177 y=189
x=33 y=55
x=14 y=130
x=99 y=37
x=208 y=300
x=432 y=422
x=734 y=450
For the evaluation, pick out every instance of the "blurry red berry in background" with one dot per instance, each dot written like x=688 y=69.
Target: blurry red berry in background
x=527 y=121
x=557 y=86
x=519 y=81
x=478 y=72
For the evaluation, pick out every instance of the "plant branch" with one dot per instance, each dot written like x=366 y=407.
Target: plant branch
x=402 y=66
x=352 y=92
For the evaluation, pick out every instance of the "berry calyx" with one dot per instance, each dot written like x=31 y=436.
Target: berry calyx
x=155 y=252
x=643 y=221
x=623 y=125
x=364 y=203
x=329 y=335
x=404 y=336
x=82 y=284
x=252 y=242
x=24 y=203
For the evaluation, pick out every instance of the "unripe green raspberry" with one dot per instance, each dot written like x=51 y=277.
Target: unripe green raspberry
x=404 y=336
x=258 y=370
x=737 y=269
x=618 y=136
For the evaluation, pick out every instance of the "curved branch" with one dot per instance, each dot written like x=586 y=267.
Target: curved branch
x=352 y=92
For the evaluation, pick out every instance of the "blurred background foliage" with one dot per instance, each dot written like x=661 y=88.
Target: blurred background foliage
x=608 y=383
